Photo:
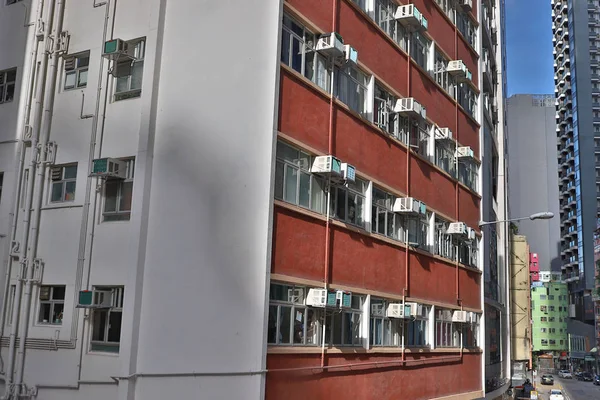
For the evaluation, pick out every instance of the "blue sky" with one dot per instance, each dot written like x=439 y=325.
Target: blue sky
x=529 y=47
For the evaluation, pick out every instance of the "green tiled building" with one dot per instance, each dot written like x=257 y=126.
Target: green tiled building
x=549 y=309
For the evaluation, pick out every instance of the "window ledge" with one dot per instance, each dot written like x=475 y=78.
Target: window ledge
x=59 y=205
x=274 y=349
x=131 y=94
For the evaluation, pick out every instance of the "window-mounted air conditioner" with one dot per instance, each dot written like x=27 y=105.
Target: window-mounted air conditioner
x=331 y=44
x=416 y=309
x=116 y=49
x=343 y=299
x=459 y=71
x=459 y=316
x=457 y=228
x=410 y=107
x=409 y=205
x=350 y=54
x=319 y=298
x=348 y=172
x=471 y=234
x=409 y=16
x=109 y=168
x=465 y=152
x=397 y=310
x=95 y=299
x=327 y=165
x=443 y=134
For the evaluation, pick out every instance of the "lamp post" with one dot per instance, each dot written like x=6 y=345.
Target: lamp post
x=539 y=215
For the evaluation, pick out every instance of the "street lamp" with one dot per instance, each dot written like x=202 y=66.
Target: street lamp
x=539 y=215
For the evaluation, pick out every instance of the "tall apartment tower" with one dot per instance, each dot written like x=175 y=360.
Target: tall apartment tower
x=577 y=80
x=284 y=206
x=532 y=177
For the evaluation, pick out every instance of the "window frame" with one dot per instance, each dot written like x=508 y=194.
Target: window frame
x=351 y=189
x=52 y=302
x=139 y=57
x=393 y=327
x=447 y=333
x=418 y=327
x=382 y=202
x=5 y=83
x=349 y=82
x=63 y=182
x=103 y=346
x=77 y=70
x=118 y=214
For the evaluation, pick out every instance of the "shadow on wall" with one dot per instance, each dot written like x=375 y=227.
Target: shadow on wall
x=556 y=262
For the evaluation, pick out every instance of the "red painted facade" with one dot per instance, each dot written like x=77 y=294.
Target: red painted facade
x=358 y=259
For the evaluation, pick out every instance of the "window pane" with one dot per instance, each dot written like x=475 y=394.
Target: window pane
x=136 y=75
x=114 y=328
x=57 y=190
x=296 y=54
x=99 y=325
x=57 y=313
x=285 y=47
x=126 y=196
x=70 y=172
x=336 y=325
x=299 y=325
x=122 y=84
x=44 y=313
x=70 y=191
x=11 y=76
x=70 y=79
x=10 y=92
x=304 y=198
x=291 y=180
x=285 y=324
x=286 y=152
x=58 y=293
x=341 y=204
x=83 y=61
x=272 y=328
x=279 y=180
x=318 y=195
x=83 y=77
x=111 y=190
x=313 y=329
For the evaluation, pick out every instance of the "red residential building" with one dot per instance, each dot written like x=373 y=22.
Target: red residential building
x=534 y=268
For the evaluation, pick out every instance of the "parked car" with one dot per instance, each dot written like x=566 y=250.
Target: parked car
x=565 y=373
x=578 y=375
x=586 y=377
x=547 y=380
x=556 y=394
x=597 y=380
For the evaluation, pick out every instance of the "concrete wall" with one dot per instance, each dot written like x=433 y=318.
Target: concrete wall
x=533 y=177
x=520 y=299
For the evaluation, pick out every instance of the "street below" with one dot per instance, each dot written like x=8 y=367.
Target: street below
x=572 y=389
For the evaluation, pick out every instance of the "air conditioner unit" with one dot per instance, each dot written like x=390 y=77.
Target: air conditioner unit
x=320 y=298
x=459 y=316
x=397 y=310
x=443 y=134
x=109 y=168
x=456 y=68
x=378 y=310
x=327 y=165
x=409 y=205
x=409 y=16
x=350 y=54
x=410 y=107
x=95 y=299
x=467 y=5
x=344 y=299
x=331 y=44
x=416 y=309
x=465 y=152
x=116 y=49
x=348 y=172
x=457 y=228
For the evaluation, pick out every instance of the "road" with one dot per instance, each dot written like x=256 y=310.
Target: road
x=572 y=389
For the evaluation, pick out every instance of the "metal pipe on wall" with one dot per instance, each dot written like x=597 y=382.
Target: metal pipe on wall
x=49 y=96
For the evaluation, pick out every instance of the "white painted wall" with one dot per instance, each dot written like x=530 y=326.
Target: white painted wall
x=195 y=255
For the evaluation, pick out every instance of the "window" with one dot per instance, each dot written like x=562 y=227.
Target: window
x=118 y=194
x=470 y=335
x=420 y=49
x=76 y=70
x=8 y=80
x=542 y=297
x=290 y=322
x=297 y=52
x=293 y=181
x=447 y=7
x=416 y=329
x=344 y=327
x=445 y=151
x=106 y=322
x=544 y=308
x=415 y=133
x=543 y=319
x=551 y=297
x=467 y=99
x=543 y=330
x=383 y=115
x=384 y=220
x=52 y=304
x=552 y=330
x=562 y=342
x=447 y=333
x=466 y=27
x=9 y=2
x=64 y=179
x=552 y=342
x=444 y=243
x=130 y=72
x=348 y=202
x=440 y=73
x=416 y=231
x=384 y=17
x=351 y=89
x=544 y=342
x=468 y=252
x=468 y=172
x=383 y=331
x=552 y=307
